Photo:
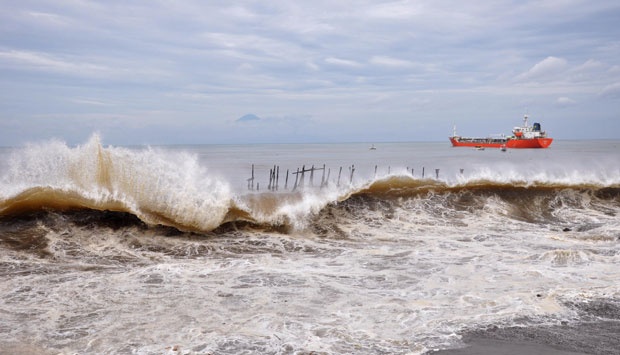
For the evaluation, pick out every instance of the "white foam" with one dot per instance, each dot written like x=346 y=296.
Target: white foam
x=158 y=186
x=605 y=175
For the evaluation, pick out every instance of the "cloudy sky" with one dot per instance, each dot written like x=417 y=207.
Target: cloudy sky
x=165 y=72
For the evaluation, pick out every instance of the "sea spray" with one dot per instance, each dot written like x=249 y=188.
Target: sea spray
x=159 y=187
x=291 y=209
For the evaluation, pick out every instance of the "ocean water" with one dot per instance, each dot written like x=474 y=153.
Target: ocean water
x=156 y=250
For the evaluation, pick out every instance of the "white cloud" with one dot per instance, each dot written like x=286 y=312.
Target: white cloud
x=557 y=75
x=254 y=47
x=80 y=67
x=390 y=62
x=312 y=66
x=48 y=18
x=612 y=91
x=91 y=101
x=240 y=12
x=548 y=68
x=398 y=10
x=591 y=65
x=342 y=62
x=53 y=64
x=564 y=101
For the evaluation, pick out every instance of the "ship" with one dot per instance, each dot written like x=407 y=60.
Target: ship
x=525 y=136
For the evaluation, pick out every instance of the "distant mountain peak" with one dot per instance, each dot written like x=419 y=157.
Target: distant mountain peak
x=248 y=117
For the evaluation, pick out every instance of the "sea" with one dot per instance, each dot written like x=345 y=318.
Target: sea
x=305 y=248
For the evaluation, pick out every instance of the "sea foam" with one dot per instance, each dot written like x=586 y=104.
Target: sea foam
x=159 y=187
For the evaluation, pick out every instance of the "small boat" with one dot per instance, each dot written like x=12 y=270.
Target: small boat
x=372 y=147
x=525 y=136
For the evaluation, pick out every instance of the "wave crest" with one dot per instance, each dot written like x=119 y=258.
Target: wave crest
x=165 y=188
x=157 y=186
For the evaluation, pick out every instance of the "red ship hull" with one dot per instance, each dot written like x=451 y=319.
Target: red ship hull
x=529 y=143
x=499 y=143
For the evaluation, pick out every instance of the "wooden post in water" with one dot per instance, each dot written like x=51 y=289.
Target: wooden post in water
x=251 y=180
x=296 y=178
x=323 y=176
x=422 y=171
x=437 y=173
x=286 y=181
x=352 y=168
x=329 y=171
x=339 y=172
x=270 y=176
x=301 y=181
x=461 y=171
x=277 y=177
x=375 y=171
x=312 y=176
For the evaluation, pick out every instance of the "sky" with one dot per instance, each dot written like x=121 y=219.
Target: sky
x=284 y=71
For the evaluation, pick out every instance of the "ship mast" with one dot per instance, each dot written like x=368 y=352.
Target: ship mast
x=525 y=120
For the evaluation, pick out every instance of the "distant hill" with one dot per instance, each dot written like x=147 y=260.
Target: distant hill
x=248 y=117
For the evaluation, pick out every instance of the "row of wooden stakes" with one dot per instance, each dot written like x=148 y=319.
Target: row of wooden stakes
x=300 y=176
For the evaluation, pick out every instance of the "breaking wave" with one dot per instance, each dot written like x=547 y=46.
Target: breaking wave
x=157 y=187
x=173 y=189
